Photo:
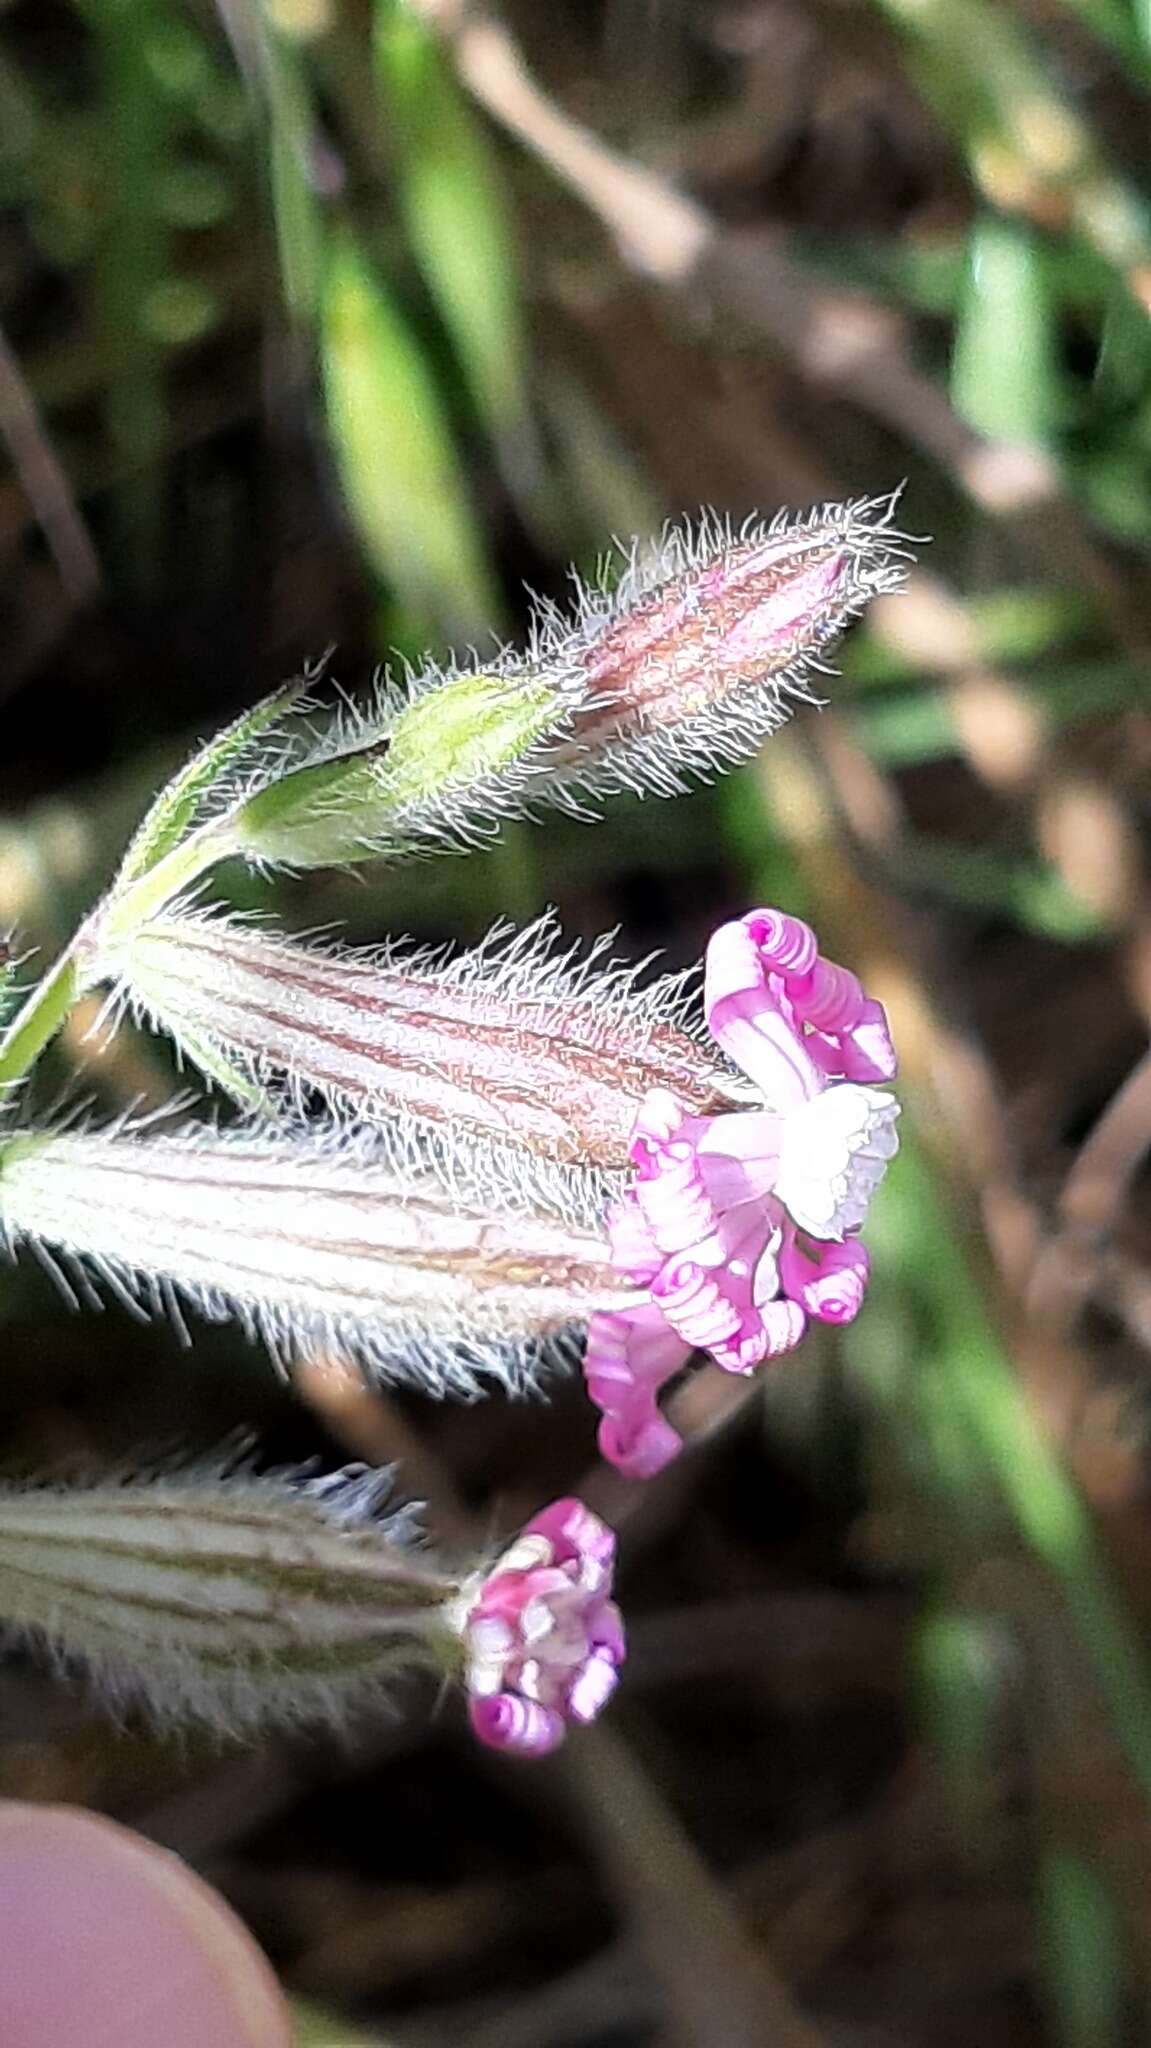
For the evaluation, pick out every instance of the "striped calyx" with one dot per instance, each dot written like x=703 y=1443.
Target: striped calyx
x=222 y=1597
x=515 y=1042
x=314 y=1240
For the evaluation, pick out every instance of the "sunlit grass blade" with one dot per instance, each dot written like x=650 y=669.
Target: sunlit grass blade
x=295 y=203
x=457 y=219
x=393 y=446
x=132 y=265
x=950 y=1394
x=1082 y=1951
x=1004 y=379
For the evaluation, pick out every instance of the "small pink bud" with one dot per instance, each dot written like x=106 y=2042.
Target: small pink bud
x=543 y=1639
x=692 y=668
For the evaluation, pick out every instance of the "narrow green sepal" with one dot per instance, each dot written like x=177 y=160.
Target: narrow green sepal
x=180 y=804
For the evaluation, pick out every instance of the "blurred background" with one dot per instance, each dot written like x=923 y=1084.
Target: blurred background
x=327 y=326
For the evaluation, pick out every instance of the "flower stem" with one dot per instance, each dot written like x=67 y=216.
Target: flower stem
x=81 y=964
x=40 y=1019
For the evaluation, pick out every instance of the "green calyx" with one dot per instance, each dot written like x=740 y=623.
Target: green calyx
x=455 y=741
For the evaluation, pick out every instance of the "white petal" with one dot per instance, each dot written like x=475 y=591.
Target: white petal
x=833 y=1155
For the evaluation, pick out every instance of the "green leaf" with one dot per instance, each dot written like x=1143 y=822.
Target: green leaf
x=901 y=729
x=1004 y=379
x=457 y=220
x=403 y=483
x=1082 y=1953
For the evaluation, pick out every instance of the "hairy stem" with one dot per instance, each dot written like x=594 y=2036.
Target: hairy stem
x=40 y=1018
x=53 y=999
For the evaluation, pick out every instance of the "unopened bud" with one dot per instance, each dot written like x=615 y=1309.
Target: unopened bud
x=695 y=671
x=244 y=1601
x=683 y=668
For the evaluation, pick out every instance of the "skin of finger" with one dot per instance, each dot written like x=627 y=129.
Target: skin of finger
x=110 y=1940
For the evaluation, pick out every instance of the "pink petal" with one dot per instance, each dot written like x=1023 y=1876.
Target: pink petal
x=630 y=1355
x=746 y=1016
x=592 y=1687
x=518 y=1725
x=829 y=1280
x=639 y=1447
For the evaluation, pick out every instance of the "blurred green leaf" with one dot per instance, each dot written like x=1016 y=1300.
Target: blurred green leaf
x=1116 y=22
x=1123 y=365
x=1115 y=484
x=1029 y=148
x=133 y=260
x=900 y=730
x=295 y=205
x=456 y=214
x=1010 y=626
x=1024 y=889
x=1004 y=379
x=405 y=489
x=1083 y=1953
x=962 y=1377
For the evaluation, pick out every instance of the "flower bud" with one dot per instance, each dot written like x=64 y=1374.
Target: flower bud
x=692 y=667
x=513 y=1042
x=681 y=669
x=312 y=1241
x=244 y=1602
x=543 y=1639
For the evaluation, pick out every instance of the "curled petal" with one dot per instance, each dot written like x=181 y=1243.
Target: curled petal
x=630 y=1356
x=829 y=1281
x=784 y=944
x=719 y=1313
x=669 y=1186
x=745 y=1010
x=520 y=1726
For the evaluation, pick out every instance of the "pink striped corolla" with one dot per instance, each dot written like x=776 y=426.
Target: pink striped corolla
x=743 y=1225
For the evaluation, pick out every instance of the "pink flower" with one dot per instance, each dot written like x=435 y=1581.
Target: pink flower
x=742 y=1225
x=544 y=1641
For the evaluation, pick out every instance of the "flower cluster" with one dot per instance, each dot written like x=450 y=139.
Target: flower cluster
x=451 y=1168
x=744 y=1224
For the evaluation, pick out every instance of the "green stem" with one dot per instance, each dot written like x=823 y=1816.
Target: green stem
x=40 y=1019
x=126 y=909
x=84 y=960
